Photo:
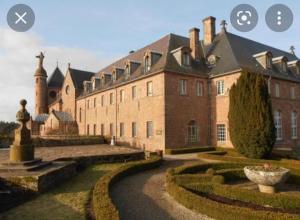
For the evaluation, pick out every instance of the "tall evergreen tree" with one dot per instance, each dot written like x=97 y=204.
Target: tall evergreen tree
x=251 y=124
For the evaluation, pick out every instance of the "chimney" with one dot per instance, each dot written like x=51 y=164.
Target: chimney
x=209 y=28
x=194 y=43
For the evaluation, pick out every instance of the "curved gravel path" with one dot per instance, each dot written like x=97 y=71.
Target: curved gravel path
x=143 y=196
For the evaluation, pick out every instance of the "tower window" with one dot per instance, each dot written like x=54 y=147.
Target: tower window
x=68 y=90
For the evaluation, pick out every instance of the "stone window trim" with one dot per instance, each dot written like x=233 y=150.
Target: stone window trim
x=111 y=98
x=122 y=95
x=199 y=88
x=133 y=92
x=133 y=129
x=292 y=92
x=149 y=129
x=278 y=125
x=220 y=86
x=277 y=90
x=294 y=125
x=102 y=100
x=102 y=131
x=192 y=135
x=122 y=129
x=183 y=84
x=149 y=88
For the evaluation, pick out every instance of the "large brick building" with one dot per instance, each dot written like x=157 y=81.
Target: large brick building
x=171 y=93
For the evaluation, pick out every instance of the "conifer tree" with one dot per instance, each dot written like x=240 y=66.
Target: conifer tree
x=251 y=124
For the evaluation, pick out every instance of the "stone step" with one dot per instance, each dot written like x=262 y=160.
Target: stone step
x=23 y=163
x=32 y=167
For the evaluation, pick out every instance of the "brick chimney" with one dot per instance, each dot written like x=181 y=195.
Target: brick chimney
x=209 y=28
x=194 y=43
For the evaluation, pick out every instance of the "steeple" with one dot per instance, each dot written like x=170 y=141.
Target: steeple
x=40 y=71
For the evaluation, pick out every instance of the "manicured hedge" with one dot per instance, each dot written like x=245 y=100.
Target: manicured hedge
x=178 y=177
x=102 y=206
x=189 y=150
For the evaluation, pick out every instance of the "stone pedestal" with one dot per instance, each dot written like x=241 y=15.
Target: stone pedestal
x=266 y=189
x=21 y=153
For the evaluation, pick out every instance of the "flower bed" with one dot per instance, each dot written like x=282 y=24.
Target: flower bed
x=102 y=206
x=197 y=190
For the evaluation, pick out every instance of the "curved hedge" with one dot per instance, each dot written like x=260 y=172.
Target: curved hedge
x=102 y=205
x=183 y=182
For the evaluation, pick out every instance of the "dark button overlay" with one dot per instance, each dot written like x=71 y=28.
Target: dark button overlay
x=20 y=17
x=244 y=17
x=279 y=18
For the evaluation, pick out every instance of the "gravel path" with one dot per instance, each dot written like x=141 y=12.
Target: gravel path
x=144 y=197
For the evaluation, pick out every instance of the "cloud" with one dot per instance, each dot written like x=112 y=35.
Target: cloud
x=18 y=64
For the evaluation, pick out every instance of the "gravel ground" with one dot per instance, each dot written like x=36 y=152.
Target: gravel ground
x=144 y=197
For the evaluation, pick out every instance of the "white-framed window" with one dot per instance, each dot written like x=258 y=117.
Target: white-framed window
x=292 y=92
x=284 y=67
x=220 y=87
x=221 y=132
x=183 y=87
x=122 y=95
x=269 y=62
x=133 y=129
x=294 y=123
x=277 y=90
x=199 y=88
x=186 y=59
x=111 y=98
x=192 y=132
x=149 y=128
x=102 y=100
x=149 y=88
x=147 y=64
x=278 y=124
x=121 y=129
x=133 y=92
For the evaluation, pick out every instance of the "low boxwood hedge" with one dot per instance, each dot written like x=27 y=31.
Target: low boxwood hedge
x=102 y=206
x=187 y=150
x=181 y=184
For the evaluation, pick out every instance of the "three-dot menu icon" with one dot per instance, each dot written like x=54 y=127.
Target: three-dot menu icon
x=279 y=17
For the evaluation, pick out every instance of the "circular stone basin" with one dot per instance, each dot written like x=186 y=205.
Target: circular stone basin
x=266 y=179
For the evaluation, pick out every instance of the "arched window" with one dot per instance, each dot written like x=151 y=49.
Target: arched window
x=147 y=63
x=278 y=124
x=186 y=59
x=192 y=132
x=294 y=127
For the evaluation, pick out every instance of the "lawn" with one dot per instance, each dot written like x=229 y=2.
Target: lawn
x=66 y=202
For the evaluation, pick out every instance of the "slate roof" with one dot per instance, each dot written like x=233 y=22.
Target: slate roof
x=41 y=118
x=62 y=116
x=56 y=80
x=78 y=76
x=236 y=52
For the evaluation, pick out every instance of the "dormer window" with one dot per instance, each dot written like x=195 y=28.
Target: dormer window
x=186 y=61
x=294 y=66
x=264 y=59
x=284 y=67
x=281 y=63
x=269 y=62
x=127 y=70
x=147 y=64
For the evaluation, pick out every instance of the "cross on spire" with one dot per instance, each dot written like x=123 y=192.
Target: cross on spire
x=223 y=25
x=41 y=59
x=292 y=50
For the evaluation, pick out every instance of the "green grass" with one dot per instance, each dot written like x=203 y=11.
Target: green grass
x=66 y=202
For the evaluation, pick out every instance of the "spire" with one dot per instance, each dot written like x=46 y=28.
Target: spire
x=69 y=65
x=40 y=70
x=292 y=50
x=223 y=26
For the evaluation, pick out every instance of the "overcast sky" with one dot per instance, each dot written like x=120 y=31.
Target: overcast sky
x=91 y=34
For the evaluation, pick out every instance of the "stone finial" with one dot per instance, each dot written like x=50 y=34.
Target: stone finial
x=223 y=25
x=292 y=50
x=22 y=115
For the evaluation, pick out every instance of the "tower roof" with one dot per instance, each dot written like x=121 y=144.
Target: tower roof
x=56 y=80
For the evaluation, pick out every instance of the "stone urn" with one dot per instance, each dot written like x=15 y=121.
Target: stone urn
x=266 y=176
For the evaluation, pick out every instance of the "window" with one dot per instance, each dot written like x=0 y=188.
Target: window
x=278 y=125
x=186 y=59
x=88 y=104
x=292 y=92
x=269 y=62
x=294 y=125
x=52 y=94
x=220 y=87
x=121 y=129
x=88 y=129
x=102 y=100
x=95 y=102
x=199 y=88
x=221 y=132
x=277 y=90
x=111 y=129
x=111 y=98
x=102 y=129
x=183 y=87
x=133 y=91
x=149 y=88
x=284 y=67
x=149 y=129
x=147 y=64
x=192 y=132
x=127 y=70
x=122 y=95
x=133 y=129
x=95 y=127
x=68 y=90
x=80 y=115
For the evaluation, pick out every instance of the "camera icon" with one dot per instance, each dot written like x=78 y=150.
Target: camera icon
x=244 y=17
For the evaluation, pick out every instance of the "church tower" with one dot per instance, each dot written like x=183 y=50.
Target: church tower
x=41 y=100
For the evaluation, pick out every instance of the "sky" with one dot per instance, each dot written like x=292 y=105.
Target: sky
x=91 y=34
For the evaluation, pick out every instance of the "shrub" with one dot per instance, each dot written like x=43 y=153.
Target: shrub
x=189 y=150
x=218 y=179
x=210 y=171
x=102 y=206
x=251 y=125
